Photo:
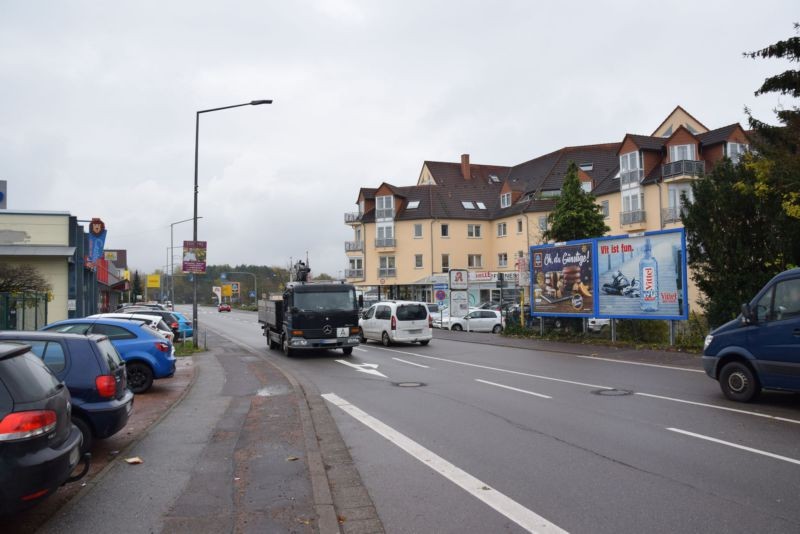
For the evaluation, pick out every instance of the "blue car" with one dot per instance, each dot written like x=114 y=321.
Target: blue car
x=147 y=354
x=185 y=328
x=94 y=373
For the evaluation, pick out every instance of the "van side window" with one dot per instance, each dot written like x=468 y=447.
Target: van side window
x=763 y=308
x=787 y=299
x=383 y=312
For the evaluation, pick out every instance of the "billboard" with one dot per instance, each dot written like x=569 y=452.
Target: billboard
x=562 y=279
x=194 y=257
x=643 y=276
x=153 y=281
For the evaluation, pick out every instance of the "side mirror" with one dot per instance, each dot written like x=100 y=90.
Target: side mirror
x=747 y=315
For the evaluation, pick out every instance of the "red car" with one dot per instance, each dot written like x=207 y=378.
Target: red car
x=224 y=307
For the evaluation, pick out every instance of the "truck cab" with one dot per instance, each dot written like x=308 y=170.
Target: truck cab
x=760 y=348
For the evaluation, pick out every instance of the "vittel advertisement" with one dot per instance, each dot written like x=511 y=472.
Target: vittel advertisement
x=562 y=277
x=642 y=277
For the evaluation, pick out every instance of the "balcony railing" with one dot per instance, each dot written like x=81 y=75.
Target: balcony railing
x=390 y=272
x=632 y=217
x=683 y=167
x=353 y=245
x=384 y=213
x=385 y=242
x=354 y=273
x=671 y=215
x=631 y=177
x=352 y=217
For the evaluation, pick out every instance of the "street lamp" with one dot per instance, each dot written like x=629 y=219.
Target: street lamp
x=194 y=233
x=255 y=282
x=172 y=261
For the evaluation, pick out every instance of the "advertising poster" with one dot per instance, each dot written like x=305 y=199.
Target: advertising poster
x=459 y=303
x=153 y=281
x=643 y=277
x=194 y=257
x=562 y=279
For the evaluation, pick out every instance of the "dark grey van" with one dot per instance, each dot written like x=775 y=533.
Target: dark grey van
x=760 y=348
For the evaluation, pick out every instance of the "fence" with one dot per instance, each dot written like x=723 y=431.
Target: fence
x=23 y=311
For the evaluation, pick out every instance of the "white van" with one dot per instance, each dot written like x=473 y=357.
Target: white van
x=397 y=321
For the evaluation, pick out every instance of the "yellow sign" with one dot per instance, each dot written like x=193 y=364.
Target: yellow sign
x=153 y=280
x=227 y=290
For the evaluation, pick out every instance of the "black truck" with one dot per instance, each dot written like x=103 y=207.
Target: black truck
x=311 y=315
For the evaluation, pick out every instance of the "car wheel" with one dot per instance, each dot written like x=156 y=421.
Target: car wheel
x=140 y=377
x=456 y=327
x=497 y=329
x=347 y=351
x=361 y=336
x=86 y=432
x=385 y=339
x=738 y=382
x=286 y=349
x=425 y=342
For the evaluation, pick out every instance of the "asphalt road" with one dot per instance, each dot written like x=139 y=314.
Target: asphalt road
x=468 y=437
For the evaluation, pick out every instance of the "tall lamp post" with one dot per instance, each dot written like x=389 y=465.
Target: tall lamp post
x=194 y=233
x=172 y=261
x=255 y=282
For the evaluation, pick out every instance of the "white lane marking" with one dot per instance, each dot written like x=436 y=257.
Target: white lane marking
x=412 y=363
x=735 y=446
x=369 y=368
x=525 y=518
x=360 y=349
x=672 y=367
x=735 y=410
x=520 y=373
x=513 y=388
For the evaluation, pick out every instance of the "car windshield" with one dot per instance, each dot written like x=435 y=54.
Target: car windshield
x=326 y=300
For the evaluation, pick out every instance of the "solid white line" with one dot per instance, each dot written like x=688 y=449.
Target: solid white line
x=525 y=518
x=513 y=388
x=735 y=446
x=360 y=349
x=735 y=410
x=411 y=363
x=671 y=367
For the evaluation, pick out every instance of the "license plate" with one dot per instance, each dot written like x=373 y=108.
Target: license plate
x=342 y=332
x=418 y=331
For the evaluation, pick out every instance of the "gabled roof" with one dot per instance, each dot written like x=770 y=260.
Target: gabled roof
x=645 y=142
x=674 y=111
x=719 y=135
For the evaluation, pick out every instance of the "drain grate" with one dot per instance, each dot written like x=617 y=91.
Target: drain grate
x=612 y=392
x=408 y=384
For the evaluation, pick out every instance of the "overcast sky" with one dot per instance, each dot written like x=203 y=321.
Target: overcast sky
x=98 y=103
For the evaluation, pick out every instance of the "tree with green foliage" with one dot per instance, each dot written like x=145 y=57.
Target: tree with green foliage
x=777 y=163
x=16 y=278
x=137 y=286
x=576 y=214
x=736 y=241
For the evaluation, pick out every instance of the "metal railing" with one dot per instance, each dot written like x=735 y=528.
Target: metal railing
x=671 y=215
x=385 y=242
x=387 y=273
x=683 y=167
x=631 y=217
x=350 y=246
x=631 y=177
x=352 y=217
x=384 y=213
x=354 y=273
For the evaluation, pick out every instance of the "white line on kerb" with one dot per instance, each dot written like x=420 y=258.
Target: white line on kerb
x=735 y=446
x=672 y=367
x=525 y=518
x=411 y=363
x=512 y=388
x=766 y=416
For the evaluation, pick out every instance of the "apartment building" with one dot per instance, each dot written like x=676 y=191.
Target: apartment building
x=484 y=218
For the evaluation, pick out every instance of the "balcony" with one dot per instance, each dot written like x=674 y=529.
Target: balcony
x=384 y=213
x=677 y=171
x=631 y=177
x=385 y=242
x=632 y=217
x=389 y=272
x=351 y=246
x=352 y=218
x=357 y=274
x=671 y=215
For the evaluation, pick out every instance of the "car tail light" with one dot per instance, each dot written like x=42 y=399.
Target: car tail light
x=163 y=347
x=394 y=322
x=24 y=425
x=174 y=326
x=297 y=333
x=106 y=386
x=430 y=321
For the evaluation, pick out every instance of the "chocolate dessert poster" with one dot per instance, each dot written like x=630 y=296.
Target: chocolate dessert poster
x=562 y=279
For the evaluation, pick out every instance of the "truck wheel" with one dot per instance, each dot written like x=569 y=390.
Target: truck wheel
x=271 y=343
x=347 y=351
x=738 y=382
x=386 y=340
x=286 y=349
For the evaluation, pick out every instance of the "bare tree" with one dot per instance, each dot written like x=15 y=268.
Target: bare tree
x=15 y=278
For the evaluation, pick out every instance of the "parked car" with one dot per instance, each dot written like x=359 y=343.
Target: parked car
x=39 y=445
x=397 y=321
x=224 y=307
x=147 y=355
x=153 y=321
x=148 y=305
x=760 y=348
x=478 y=321
x=167 y=316
x=185 y=326
x=94 y=373
x=597 y=325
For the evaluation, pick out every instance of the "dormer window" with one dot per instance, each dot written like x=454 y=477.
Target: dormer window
x=586 y=167
x=682 y=153
x=384 y=207
x=505 y=200
x=735 y=151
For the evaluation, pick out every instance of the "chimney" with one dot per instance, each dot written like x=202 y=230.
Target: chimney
x=465 y=171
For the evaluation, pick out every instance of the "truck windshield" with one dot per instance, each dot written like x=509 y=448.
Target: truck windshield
x=327 y=300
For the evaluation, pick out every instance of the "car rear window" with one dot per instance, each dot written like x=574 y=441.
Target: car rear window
x=113 y=331
x=27 y=378
x=109 y=354
x=412 y=312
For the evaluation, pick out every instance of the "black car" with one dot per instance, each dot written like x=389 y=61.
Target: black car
x=94 y=373
x=39 y=446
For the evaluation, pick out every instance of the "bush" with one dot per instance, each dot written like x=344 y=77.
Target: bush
x=691 y=334
x=643 y=331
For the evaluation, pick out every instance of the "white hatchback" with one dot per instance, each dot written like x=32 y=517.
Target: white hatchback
x=397 y=321
x=478 y=321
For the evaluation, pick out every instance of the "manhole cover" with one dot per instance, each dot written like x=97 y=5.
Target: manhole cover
x=613 y=392
x=408 y=384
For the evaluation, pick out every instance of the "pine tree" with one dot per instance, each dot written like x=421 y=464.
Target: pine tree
x=576 y=215
x=137 y=286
